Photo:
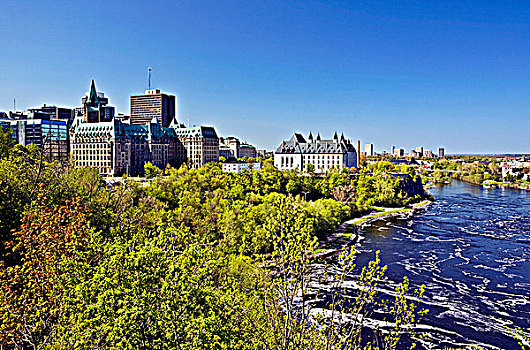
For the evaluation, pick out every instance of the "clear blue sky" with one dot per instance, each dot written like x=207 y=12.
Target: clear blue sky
x=434 y=73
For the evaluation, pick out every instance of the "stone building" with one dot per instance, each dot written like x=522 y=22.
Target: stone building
x=199 y=144
x=246 y=150
x=99 y=140
x=298 y=152
x=230 y=147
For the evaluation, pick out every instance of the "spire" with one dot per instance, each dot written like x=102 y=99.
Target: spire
x=318 y=137
x=310 y=137
x=93 y=96
x=335 y=137
x=342 y=136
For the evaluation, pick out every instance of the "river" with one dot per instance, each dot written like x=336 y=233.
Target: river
x=471 y=248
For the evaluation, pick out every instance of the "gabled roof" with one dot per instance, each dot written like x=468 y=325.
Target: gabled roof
x=297 y=144
x=204 y=131
x=297 y=138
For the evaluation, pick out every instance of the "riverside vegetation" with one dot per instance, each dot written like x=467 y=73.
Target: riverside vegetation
x=195 y=259
x=483 y=171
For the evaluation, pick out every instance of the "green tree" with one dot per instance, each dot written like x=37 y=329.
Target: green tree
x=6 y=141
x=151 y=171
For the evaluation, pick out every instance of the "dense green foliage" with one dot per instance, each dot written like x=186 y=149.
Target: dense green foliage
x=482 y=170
x=177 y=262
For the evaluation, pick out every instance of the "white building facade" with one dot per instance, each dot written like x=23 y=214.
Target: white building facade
x=298 y=153
x=236 y=167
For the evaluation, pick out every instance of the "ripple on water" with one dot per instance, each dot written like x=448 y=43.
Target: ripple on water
x=472 y=251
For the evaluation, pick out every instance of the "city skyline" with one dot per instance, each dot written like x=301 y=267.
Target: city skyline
x=452 y=75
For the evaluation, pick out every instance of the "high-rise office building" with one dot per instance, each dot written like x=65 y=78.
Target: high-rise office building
x=369 y=149
x=153 y=104
x=441 y=152
x=398 y=152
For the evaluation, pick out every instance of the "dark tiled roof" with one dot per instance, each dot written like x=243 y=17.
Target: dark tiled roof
x=298 y=144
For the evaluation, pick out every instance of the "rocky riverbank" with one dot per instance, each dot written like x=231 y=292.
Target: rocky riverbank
x=340 y=239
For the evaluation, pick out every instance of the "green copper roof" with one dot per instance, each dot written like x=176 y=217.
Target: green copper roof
x=93 y=96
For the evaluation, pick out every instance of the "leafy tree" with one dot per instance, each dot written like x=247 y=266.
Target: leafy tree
x=32 y=294
x=151 y=171
x=6 y=141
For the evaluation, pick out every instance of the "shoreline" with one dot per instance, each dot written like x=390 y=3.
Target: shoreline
x=335 y=242
x=498 y=184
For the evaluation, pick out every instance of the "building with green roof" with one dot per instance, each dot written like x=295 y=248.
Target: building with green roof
x=116 y=148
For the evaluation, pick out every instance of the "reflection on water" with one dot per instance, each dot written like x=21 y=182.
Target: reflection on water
x=471 y=249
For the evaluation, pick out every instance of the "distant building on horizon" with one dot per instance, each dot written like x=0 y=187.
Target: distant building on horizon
x=55 y=113
x=441 y=152
x=298 y=153
x=153 y=104
x=237 y=166
x=247 y=150
x=398 y=152
x=369 y=149
x=229 y=147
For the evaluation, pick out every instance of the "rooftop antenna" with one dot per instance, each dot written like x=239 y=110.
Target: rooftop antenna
x=149 y=77
x=14 y=105
x=188 y=116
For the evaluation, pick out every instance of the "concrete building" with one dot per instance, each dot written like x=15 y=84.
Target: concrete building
x=369 y=149
x=229 y=147
x=263 y=153
x=399 y=152
x=441 y=152
x=55 y=113
x=515 y=169
x=236 y=167
x=153 y=104
x=246 y=150
x=428 y=153
x=200 y=145
x=298 y=153
x=419 y=151
x=358 y=162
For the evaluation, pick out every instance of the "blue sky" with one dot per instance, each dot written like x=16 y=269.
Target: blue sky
x=454 y=74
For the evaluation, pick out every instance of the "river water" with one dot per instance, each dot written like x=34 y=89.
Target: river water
x=471 y=248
